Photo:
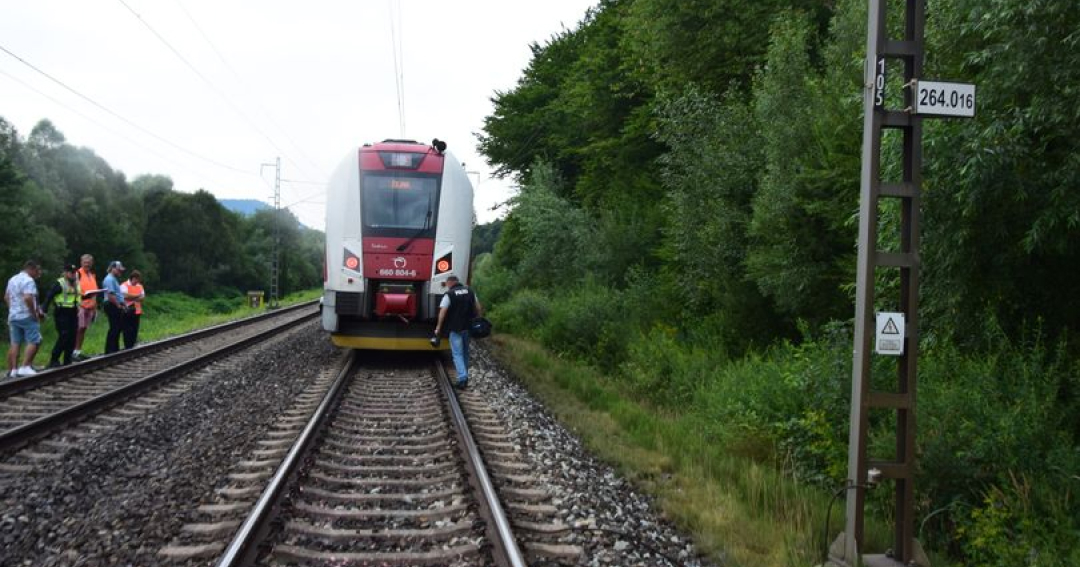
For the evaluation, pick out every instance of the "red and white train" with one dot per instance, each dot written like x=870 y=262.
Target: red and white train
x=399 y=218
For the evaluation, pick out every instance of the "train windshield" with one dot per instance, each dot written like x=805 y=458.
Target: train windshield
x=399 y=205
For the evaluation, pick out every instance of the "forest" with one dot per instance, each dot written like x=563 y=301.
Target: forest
x=687 y=221
x=61 y=201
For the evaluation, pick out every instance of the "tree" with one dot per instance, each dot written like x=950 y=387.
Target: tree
x=193 y=241
x=1002 y=218
x=484 y=237
x=546 y=238
x=23 y=233
x=802 y=228
x=712 y=44
x=710 y=176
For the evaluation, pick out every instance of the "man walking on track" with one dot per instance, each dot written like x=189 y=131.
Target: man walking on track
x=459 y=305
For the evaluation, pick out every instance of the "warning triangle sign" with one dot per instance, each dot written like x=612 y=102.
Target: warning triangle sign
x=890 y=328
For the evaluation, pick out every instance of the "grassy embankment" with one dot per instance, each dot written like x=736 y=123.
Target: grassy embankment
x=745 y=451
x=739 y=508
x=164 y=315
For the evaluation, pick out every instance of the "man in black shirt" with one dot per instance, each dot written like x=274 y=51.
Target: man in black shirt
x=459 y=305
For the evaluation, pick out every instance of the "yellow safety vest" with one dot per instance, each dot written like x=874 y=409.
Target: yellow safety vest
x=69 y=295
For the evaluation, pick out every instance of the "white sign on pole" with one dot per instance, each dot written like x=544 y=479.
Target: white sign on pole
x=890 y=334
x=944 y=99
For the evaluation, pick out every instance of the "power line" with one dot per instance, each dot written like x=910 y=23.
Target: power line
x=210 y=84
x=399 y=66
x=306 y=199
x=116 y=133
x=124 y=119
x=244 y=85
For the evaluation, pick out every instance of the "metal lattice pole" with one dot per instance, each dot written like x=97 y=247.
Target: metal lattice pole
x=900 y=468
x=275 y=260
x=275 y=235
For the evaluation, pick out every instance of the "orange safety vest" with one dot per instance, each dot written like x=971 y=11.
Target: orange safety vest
x=87 y=283
x=133 y=289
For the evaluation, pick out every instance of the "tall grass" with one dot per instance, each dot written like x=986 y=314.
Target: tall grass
x=998 y=429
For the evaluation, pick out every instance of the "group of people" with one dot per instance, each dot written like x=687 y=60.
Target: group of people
x=74 y=297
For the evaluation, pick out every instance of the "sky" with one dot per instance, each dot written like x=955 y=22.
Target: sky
x=208 y=91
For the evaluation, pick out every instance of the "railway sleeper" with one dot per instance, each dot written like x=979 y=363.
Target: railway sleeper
x=394 y=559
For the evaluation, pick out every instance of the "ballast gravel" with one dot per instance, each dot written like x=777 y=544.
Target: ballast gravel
x=126 y=493
x=613 y=522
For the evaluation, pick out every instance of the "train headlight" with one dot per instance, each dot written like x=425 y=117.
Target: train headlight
x=352 y=261
x=443 y=265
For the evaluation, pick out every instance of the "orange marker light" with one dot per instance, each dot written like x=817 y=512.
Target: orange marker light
x=442 y=266
x=352 y=262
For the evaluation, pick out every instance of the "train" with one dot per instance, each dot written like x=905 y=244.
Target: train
x=399 y=219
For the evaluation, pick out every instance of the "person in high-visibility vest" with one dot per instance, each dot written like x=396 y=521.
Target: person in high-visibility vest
x=66 y=295
x=134 y=293
x=88 y=306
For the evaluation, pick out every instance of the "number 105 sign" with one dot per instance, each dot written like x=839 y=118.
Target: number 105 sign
x=944 y=99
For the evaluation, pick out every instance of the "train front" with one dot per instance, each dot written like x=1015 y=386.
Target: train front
x=398 y=222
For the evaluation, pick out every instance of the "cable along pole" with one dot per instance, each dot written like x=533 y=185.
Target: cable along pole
x=894 y=333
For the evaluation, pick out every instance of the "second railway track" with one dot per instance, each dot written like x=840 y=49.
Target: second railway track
x=31 y=408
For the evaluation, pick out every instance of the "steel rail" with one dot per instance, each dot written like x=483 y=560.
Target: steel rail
x=28 y=432
x=244 y=545
x=509 y=554
x=10 y=388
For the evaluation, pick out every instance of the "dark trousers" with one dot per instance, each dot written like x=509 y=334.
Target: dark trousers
x=67 y=321
x=116 y=326
x=131 y=328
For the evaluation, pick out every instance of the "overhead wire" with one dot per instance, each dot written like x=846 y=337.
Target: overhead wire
x=221 y=57
x=124 y=119
x=399 y=62
x=304 y=182
x=308 y=198
x=212 y=86
x=117 y=133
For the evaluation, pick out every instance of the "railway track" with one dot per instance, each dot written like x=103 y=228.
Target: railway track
x=383 y=471
x=34 y=407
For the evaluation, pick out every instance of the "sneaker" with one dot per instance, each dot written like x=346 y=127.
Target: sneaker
x=11 y=375
x=80 y=357
x=461 y=384
x=26 y=371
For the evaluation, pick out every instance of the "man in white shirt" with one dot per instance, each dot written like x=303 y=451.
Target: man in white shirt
x=24 y=319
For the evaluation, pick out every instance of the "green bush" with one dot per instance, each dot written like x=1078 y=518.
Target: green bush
x=797 y=394
x=994 y=429
x=522 y=314
x=665 y=372
x=492 y=281
x=1023 y=524
x=589 y=322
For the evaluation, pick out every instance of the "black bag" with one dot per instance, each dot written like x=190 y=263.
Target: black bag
x=479 y=328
